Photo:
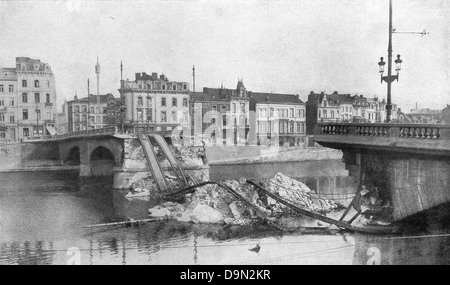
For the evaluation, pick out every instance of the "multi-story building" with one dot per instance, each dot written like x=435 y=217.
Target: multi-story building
x=345 y=101
x=321 y=107
x=113 y=112
x=8 y=105
x=88 y=113
x=28 y=98
x=221 y=115
x=237 y=116
x=63 y=124
x=279 y=114
x=422 y=116
x=154 y=103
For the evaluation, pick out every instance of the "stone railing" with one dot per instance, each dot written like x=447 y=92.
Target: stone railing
x=102 y=131
x=418 y=131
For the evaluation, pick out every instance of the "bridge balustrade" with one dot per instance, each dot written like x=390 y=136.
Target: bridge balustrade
x=107 y=130
x=418 y=131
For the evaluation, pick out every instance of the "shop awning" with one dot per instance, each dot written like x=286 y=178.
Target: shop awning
x=51 y=130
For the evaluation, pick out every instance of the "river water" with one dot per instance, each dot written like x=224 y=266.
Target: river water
x=42 y=217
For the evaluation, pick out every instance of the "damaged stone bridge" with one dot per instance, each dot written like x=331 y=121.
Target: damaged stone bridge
x=408 y=163
x=100 y=152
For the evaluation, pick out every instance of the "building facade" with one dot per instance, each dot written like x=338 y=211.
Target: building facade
x=221 y=115
x=87 y=113
x=27 y=100
x=321 y=107
x=240 y=117
x=346 y=108
x=283 y=115
x=63 y=124
x=8 y=105
x=153 y=103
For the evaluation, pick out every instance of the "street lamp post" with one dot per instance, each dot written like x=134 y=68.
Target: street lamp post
x=389 y=78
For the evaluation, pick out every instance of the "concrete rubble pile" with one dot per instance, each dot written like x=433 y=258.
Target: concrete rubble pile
x=297 y=193
x=213 y=204
x=188 y=155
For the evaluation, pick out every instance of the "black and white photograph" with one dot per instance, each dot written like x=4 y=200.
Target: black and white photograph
x=227 y=133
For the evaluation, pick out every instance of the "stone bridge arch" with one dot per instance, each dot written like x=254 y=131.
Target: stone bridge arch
x=89 y=160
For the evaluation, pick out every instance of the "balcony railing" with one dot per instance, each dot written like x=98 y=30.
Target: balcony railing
x=413 y=131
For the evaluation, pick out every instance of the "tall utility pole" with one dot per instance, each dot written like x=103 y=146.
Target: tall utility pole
x=193 y=104
x=193 y=78
x=389 y=78
x=122 y=105
x=389 y=82
x=97 y=71
x=398 y=64
x=89 y=107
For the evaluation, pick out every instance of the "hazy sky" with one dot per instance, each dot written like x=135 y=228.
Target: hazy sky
x=280 y=46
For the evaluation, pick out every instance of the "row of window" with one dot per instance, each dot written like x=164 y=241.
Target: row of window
x=11 y=118
x=37 y=98
x=164 y=119
x=24 y=84
x=281 y=113
x=234 y=107
x=12 y=103
x=283 y=127
x=92 y=119
x=36 y=83
x=326 y=114
x=158 y=85
x=25 y=114
x=92 y=110
x=37 y=131
x=140 y=102
x=10 y=88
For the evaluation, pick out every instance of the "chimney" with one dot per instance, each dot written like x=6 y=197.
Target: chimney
x=137 y=76
x=155 y=75
x=311 y=93
x=161 y=77
x=335 y=92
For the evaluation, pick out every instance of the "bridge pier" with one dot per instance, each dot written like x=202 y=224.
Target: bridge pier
x=409 y=164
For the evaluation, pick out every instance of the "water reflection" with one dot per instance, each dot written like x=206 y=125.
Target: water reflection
x=41 y=219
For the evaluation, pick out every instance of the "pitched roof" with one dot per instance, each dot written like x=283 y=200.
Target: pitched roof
x=275 y=98
x=342 y=98
x=93 y=99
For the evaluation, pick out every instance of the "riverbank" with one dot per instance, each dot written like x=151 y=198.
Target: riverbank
x=226 y=155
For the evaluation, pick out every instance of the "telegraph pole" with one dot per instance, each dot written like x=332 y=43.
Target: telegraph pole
x=89 y=107
x=389 y=82
x=121 y=99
